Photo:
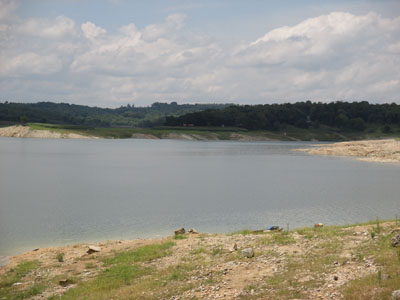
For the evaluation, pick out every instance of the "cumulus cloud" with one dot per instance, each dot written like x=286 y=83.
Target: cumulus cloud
x=30 y=63
x=329 y=57
x=53 y=29
x=91 y=31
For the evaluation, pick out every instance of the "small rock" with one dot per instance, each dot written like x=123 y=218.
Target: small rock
x=335 y=278
x=248 y=252
x=234 y=248
x=65 y=282
x=17 y=283
x=180 y=231
x=193 y=231
x=93 y=249
x=396 y=241
x=37 y=249
x=396 y=295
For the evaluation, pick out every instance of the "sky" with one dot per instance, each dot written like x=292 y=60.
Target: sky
x=110 y=53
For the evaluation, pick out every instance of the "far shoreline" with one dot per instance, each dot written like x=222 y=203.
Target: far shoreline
x=56 y=131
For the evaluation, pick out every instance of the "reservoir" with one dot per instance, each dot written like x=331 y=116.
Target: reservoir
x=59 y=191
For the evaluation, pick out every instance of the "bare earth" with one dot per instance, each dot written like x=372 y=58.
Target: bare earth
x=27 y=132
x=387 y=151
x=311 y=264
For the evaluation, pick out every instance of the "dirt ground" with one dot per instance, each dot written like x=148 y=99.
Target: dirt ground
x=387 y=151
x=27 y=132
x=296 y=261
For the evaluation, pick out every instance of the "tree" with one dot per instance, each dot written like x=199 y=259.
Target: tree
x=23 y=119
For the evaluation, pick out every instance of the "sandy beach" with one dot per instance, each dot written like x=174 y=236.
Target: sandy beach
x=27 y=132
x=384 y=151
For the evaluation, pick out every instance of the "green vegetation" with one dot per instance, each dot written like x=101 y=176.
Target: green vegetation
x=381 y=284
x=304 y=121
x=60 y=257
x=122 y=270
x=341 y=117
x=145 y=253
x=14 y=275
x=180 y=237
x=9 y=288
x=71 y=114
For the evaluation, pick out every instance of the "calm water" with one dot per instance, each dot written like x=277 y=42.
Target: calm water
x=65 y=191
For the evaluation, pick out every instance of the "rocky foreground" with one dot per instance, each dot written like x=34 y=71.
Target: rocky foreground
x=387 y=151
x=357 y=262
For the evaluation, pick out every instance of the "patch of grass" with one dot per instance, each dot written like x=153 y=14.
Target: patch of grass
x=247 y=232
x=242 y=232
x=283 y=238
x=10 y=292
x=198 y=251
x=250 y=287
x=123 y=269
x=180 y=237
x=108 y=281
x=60 y=257
x=17 y=294
x=15 y=275
x=90 y=265
x=145 y=253
x=375 y=286
x=217 y=251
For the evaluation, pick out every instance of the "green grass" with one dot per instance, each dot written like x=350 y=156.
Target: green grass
x=10 y=292
x=247 y=232
x=90 y=265
x=15 y=275
x=374 y=286
x=60 y=257
x=283 y=238
x=180 y=237
x=145 y=253
x=122 y=269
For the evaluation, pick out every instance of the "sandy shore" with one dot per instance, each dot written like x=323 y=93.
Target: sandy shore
x=27 y=132
x=304 y=264
x=385 y=151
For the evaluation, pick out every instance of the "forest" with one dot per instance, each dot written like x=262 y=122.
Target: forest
x=71 y=114
x=354 y=116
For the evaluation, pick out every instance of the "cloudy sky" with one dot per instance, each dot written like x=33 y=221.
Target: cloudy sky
x=114 y=52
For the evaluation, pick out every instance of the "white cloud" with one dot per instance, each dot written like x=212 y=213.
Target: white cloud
x=91 y=31
x=329 y=57
x=58 y=28
x=29 y=63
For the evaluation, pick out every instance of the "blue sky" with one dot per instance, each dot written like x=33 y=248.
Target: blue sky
x=226 y=18
x=115 y=52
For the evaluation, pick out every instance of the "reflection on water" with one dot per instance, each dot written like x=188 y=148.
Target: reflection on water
x=66 y=191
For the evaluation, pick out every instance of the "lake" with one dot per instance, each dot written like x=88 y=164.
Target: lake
x=56 y=192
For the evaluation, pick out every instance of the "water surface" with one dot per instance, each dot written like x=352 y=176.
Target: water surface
x=55 y=192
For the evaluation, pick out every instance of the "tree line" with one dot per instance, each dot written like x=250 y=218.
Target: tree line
x=72 y=114
x=354 y=116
